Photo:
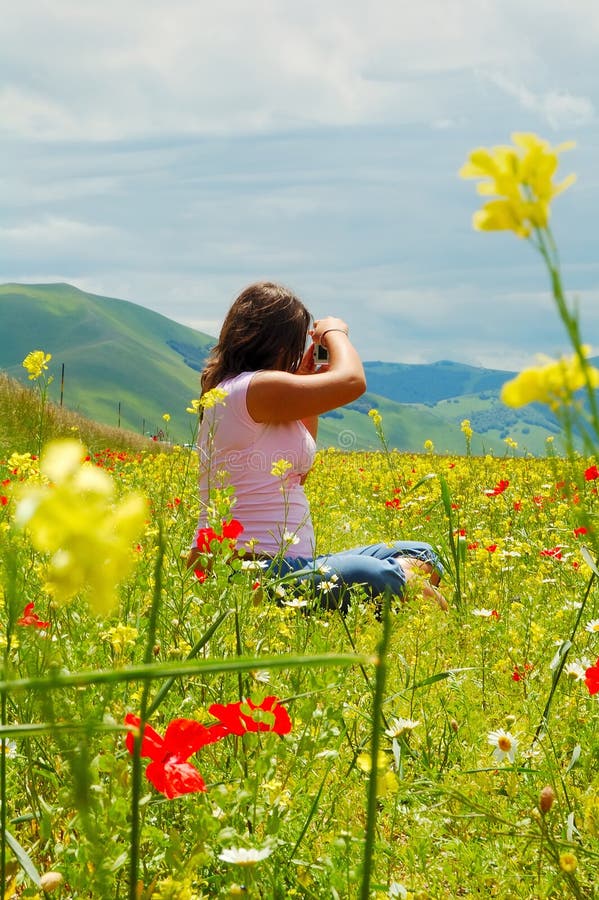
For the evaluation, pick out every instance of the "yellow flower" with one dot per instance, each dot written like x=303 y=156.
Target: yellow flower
x=213 y=398
x=466 y=428
x=567 y=862
x=553 y=383
x=23 y=464
x=429 y=446
x=194 y=407
x=375 y=416
x=76 y=520
x=121 y=637
x=166 y=417
x=36 y=363
x=520 y=177
x=280 y=467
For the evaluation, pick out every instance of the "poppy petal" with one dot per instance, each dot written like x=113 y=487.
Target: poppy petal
x=175 y=777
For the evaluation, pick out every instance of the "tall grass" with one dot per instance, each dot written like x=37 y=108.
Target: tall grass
x=20 y=417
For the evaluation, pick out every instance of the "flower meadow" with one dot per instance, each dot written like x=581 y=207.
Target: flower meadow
x=254 y=770
x=175 y=732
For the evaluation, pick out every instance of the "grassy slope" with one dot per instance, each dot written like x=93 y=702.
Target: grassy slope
x=20 y=424
x=104 y=345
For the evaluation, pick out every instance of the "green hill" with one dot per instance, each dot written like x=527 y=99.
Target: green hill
x=124 y=364
x=127 y=366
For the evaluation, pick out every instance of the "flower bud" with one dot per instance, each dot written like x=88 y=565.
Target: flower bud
x=546 y=798
x=49 y=881
x=453 y=724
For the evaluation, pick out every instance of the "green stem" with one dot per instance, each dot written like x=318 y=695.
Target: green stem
x=377 y=706
x=136 y=767
x=562 y=662
x=54 y=681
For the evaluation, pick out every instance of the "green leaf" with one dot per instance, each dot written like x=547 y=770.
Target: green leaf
x=575 y=757
x=24 y=859
x=591 y=563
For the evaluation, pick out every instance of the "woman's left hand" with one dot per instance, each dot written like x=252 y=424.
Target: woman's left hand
x=307 y=365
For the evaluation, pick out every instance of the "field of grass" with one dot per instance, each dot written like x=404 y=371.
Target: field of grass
x=25 y=423
x=485 y=781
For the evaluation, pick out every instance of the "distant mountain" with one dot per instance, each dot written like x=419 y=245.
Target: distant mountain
x=431 y=383
x=124 y=364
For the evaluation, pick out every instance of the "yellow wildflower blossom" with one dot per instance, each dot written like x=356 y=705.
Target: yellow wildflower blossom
x=194 y=407
x=280 y=468
x=213 y=398
x=521 y=178
x=554 y=382
x=36 y=363
x=567 y=862
x=77 y=522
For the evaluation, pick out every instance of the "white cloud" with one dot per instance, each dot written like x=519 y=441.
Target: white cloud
x=170 y=153
x=560 y=109
x=110 y=71
x=53 y=232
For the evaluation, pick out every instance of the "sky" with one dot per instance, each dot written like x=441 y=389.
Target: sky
x=171 y=153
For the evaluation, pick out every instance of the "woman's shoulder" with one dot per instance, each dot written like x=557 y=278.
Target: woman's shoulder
x=237 y=382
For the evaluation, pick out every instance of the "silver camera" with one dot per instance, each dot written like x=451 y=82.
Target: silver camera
x=321 y=354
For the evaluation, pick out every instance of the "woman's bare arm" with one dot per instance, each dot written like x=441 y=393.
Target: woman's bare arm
x=276 y=396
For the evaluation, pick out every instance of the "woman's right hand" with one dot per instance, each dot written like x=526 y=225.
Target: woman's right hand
x=329 y=323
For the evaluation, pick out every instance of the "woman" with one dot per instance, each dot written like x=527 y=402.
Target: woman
x=257 y=436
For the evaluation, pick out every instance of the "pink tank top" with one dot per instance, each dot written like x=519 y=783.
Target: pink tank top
x=273 y=509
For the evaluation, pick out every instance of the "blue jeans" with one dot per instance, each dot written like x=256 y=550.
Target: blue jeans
x=376 y=568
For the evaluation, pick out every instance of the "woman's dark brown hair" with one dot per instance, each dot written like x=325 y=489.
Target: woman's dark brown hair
x=265 y=328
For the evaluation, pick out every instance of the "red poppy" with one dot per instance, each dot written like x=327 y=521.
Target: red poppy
x=591 y=677
x=201 y=575
x=170 y=772
x=554 y=552
x=578 y=532
x=498 y=489
x=30 y=618
x=393 y=504
x=238 y=717
x=519 y=674
x=491 y=548
x=3 y=500
x=517 y=505
x=591 y=473
x=231 y=530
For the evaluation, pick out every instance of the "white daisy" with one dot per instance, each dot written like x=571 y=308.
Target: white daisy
x=262 y=676
x=253 y=565
x=328 y=585
x=400 y=726
x=592 y=626
x=574 y=671
x=506 y=745
x=243 y=856
x=483 y=613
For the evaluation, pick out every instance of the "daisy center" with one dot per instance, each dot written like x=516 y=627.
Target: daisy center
x=504 y=744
